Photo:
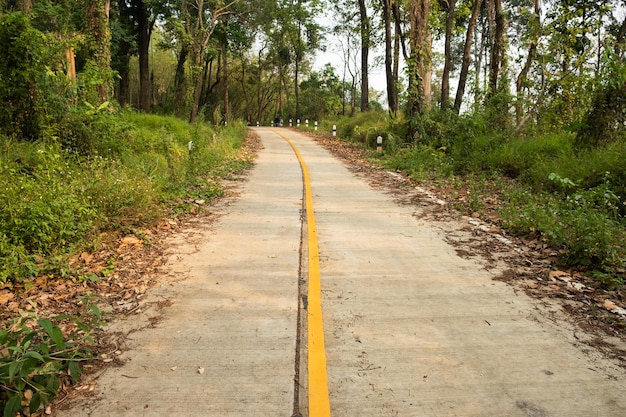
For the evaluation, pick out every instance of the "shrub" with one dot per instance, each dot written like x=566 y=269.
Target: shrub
x=39 y=356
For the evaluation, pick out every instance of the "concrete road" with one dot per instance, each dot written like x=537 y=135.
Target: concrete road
x=410 y=328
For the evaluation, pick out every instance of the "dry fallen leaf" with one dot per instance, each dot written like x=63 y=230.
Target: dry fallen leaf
x=5 y=297
x=131 y=240
x=562 y=275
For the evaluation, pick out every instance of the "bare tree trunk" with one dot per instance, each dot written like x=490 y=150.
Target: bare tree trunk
x=467 y=55
x=365 y=46
x=522 y=78
x=259 y=84
x=143 y=43
x=179 y=80
x=447 y=68
x=389 y=62
x=497 y=56
x=226 y=76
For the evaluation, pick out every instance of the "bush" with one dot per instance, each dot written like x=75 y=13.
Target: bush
x=584 y=223
x=39 y=356
x=21 y=68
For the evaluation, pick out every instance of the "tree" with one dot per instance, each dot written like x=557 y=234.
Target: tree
x=199 y=24
x=145 y=22
x=497 y=61
x=123 y=46
x=365 y=28
x=521 y=83
x=607 y=115
x=419 y=62
x=450 y=8
x=467 y=55
x=391 y=54
x=22 y=62
x=99 y=45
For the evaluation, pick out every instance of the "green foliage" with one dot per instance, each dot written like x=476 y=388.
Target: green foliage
x=572 y=199
x=41 y=353
x=113 y=171
x=21 y=66
x=421 y=162
x=365 y=127
x=584 y=224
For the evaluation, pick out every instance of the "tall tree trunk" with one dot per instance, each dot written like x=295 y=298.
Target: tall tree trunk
x=144 y=29
x=297 y=89
x=226 y=76
x=179 y=80
x=447 y=68
x=299 y=55
x=259 y=84
x=389 y=63
x=365 y=49
x=419 y=62
x=497 y=56
x=244 y=89
x=467 y=55
x=399 y=43
x=522 y=77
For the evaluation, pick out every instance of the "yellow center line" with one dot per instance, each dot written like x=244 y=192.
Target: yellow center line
x=319 y=402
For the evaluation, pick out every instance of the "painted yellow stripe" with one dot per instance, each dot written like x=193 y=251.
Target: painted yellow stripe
x=319 y=402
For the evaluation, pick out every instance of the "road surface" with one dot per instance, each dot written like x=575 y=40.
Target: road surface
x=409 y=327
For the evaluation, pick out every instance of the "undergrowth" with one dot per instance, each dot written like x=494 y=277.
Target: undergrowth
x=94 y=172
x=573 y=199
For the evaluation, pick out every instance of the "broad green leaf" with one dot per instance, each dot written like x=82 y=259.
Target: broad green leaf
x=53 y=331
x=35 y=355
x=75 y=370
x=14 y=369
x=35 y=402
x=13 y=406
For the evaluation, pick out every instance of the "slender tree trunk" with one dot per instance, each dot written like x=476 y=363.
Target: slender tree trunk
x=226 y=76
x=497 y=56
x=244 y=89
x=447 y=68
x=179 y=80
x=299 y=54
x=144 y=28
x=467 y=55
x=259 y=90
x=522 y=78
x=399 y=43
x=389 y=63
x=365 y=48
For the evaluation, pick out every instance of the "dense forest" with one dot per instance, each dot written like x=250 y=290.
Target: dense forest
x=541 y=63
x=116 y=115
